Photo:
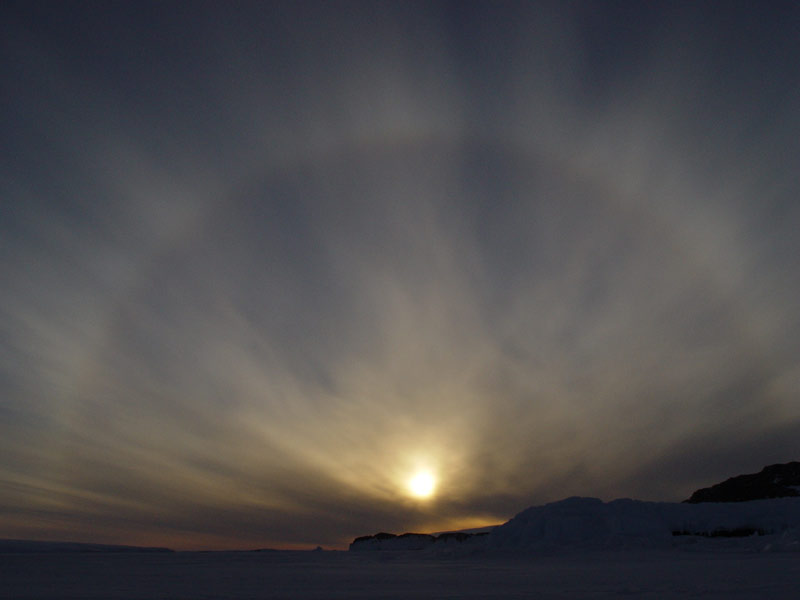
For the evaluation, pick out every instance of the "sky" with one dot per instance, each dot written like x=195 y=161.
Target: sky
x=263 y=263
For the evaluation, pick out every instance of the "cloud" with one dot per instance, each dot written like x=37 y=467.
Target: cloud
x=250 y=290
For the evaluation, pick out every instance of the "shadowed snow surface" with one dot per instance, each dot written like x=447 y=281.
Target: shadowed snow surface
x=334 y=575
x=578 y=522
x=576 y=548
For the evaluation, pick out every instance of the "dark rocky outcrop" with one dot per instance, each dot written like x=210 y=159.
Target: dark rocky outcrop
x=775 y=481
x=411 y=541
x=377 y=537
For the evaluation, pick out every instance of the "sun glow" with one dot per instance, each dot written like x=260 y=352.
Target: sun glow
x=422 y=484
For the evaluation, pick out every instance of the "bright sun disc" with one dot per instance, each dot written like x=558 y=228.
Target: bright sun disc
x=422 y=484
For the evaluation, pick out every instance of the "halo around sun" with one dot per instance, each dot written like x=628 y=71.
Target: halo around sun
x=422 y=484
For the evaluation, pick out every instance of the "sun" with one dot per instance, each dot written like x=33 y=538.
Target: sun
x=422 y=484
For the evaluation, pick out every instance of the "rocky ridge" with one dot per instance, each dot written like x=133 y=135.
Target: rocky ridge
x=413 y=541
x=774 y=481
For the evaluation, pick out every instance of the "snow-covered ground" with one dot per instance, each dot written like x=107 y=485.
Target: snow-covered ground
x=580 y=524
x=332 y=575
x=576 y=548
x=760 y=525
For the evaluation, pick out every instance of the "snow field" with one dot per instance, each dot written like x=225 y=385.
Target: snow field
x=397 y=575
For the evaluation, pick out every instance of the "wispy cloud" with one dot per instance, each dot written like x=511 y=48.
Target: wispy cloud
x=248 y=290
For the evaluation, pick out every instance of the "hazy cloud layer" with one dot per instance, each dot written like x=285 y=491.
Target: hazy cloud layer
x=260 y=263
